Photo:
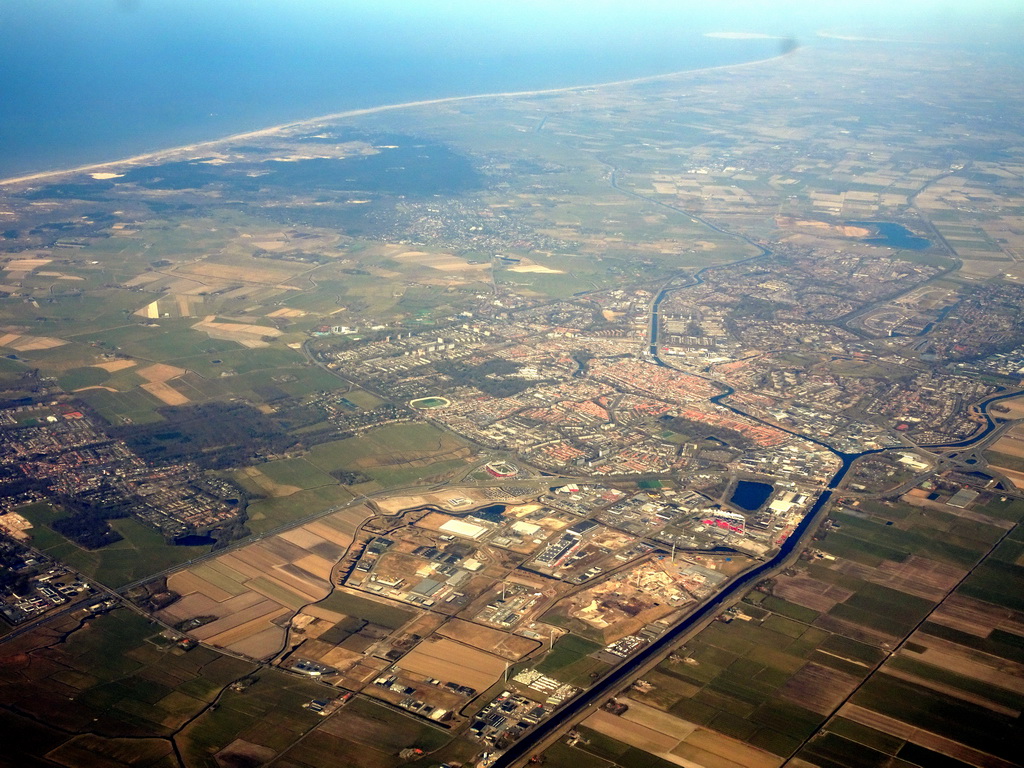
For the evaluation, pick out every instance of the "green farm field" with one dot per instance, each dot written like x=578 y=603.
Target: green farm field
x=112 y=675
x=364 y=608
x=141 y=553
x=396 y=455
x=569 y=661
x=819 y=639
x=267 y=514
x=365 y=735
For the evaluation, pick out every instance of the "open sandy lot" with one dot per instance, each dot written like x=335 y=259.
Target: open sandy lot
x=160 y=372
x=1017 y=478
x=165 y=392
x=1012 y=443
x=244 y=333
x=157 y=376
x=21 y=343
x=25 y=265
x=632 y=733
x=444 y=262
x=824 y=227
x=253 y=273
x=495 y=641
x=663 y=722
x=470 y=498
x=711 y=749
x=115 y=365
x=1014 y=408
x=537 y=268
x=285 y=312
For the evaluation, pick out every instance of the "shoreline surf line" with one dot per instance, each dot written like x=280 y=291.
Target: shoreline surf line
x=282 y=127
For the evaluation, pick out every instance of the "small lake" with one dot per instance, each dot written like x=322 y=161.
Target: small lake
x=194 y=540
x=750 y=495
x=893 y=235
x=492 y=513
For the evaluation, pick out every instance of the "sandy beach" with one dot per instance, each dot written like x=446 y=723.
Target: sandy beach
x=107 y=169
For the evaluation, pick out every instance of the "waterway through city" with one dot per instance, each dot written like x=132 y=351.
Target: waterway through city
x=622 y=674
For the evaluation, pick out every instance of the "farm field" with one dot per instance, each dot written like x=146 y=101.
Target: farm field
x=365 y=735
x=569 y=661
x=1006 y=455
x=243 y=600
x=860 y=654
x=953 y=690
x=259 y=722
x=130 y=395
x=265 y=515
x=451 y=661
x=677 y=741
x=379 y=612
x=114 y=689
x=598 y=750
x=504 y=644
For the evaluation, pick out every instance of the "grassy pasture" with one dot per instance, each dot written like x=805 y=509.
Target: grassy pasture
x=1010 y=509
x=870 y=542
x=268 y=714
x=141 y=552
x=569 y=661
x=363 y=608
x=297 y=472
x=1004 y=460
x=135 y=406
x=109 y=677
x=267 y=514
x=395 y=455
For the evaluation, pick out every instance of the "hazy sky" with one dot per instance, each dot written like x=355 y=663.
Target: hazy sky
x=529 y=22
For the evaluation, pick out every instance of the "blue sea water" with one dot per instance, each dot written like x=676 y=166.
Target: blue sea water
x=92 y=80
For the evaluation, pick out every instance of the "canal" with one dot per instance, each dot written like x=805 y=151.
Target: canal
x=622 y=674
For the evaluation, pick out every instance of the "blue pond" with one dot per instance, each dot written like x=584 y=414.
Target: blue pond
x=492 y=513
x=893 y=235
x=749 y=495
x=194 y=540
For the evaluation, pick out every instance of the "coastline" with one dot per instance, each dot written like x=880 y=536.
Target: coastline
x=171 y=152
